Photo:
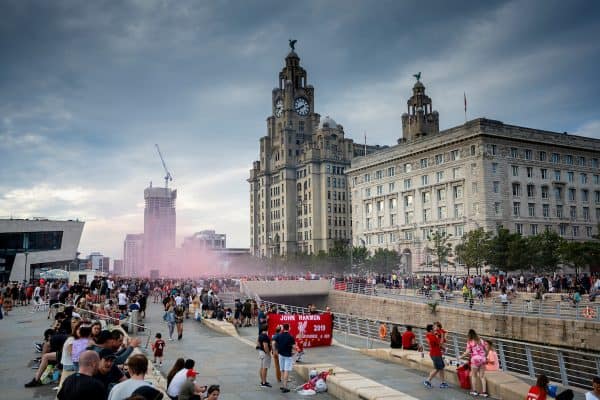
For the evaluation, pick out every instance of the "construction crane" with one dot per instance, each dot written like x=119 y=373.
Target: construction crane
x=168 y=176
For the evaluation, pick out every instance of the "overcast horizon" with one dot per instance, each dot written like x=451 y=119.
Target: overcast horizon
x=88 y=88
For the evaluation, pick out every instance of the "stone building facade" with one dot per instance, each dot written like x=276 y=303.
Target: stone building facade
x=299 y=198
x=481 y=174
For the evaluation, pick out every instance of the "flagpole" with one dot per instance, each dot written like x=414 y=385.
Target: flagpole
x=365 y=143
x=465 y=97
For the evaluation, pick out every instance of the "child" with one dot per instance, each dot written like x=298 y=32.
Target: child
x=158 y=347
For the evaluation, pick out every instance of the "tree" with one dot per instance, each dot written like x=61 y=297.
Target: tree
x=473 y=249
x=440 y=248
x=579 y=255
x=545 y=249
x=359 y=256
x=384 y=260
x=497 y=256
x=520 y=254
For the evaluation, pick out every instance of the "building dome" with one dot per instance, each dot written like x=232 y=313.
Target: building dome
x=327 y=123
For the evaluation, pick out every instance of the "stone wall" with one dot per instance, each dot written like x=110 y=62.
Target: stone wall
x=570 y=333
x=286 y=288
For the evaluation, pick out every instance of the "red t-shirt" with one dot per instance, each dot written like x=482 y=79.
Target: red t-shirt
x=434 y=345
x=536 y=393
x=407 y=339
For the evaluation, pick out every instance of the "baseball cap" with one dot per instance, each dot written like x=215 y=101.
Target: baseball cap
x=191 y=373
x=107 y=354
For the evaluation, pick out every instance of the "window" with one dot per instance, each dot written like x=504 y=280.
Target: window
x=473 y=169
x=442 y=212
x=407 y=168
x=594 y=163
x=497 y=208
x=586 y=213
x=379 y=222
x=588 y=231
x=391 y=171
x=557 y=175
x=459 y=230
x=494 y=168
x=456 y=173
x=408 y=217
x=369 y=224
x=570 y=176
x=559 y=211
x=571 y=194
x=426 y=215
x=597 y=196
x=424 y=180
x=391 y=187
x=575 y=231
x=392 y=237
x=380 y=206
x=531 y=209
x=516 y=209
x=475 y=209
x=379 y=174
x=515 y=170
x=407 y=184
x=544 y=192
x=529 y=172
x=441 y=194
x=581 y=161
x=379 y=189
x=519 y=228
x=455 y=155
x=392 y=219
x=533 y=229
x=542 y=156
x=530 y=191
x=585 y=195
x=493 y=149
x=583 y=178
x=458 y=211
x=528 y=154
x=546 y=210
x=562 y=229
x=367 y=178
x=423 y=163
x=367 y=192
x=544 y=173
x=516 y=189
x=496 y=186
x=439 y=158
x=439 y=176
x=555 y=158
x=426 y=197
x=408 y=201
x=514 y=152
x=569 y=159
x=458 y=192
x=408 y=235
x=369 y=208
x=596 y=179
x=472 y=152
x=380 y=238
x=573 y=212
x=474 y=187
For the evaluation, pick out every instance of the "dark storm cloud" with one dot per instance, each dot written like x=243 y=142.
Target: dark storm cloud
x=88 y=88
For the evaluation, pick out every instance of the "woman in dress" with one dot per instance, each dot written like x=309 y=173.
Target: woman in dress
x=477 y=353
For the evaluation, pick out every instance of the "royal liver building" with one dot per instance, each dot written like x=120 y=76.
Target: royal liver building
x=299 y=198
x=481 y=174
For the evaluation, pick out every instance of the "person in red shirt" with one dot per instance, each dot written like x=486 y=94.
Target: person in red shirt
x=540 y=390
x=409 y=340
x=441 y=334
x=435 y=352
x=158 y=347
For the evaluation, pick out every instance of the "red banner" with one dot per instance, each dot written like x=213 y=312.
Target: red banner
x=311 y=330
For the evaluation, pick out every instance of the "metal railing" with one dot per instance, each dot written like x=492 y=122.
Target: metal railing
x=584 y=310
x=569 y=367
x=103 y=317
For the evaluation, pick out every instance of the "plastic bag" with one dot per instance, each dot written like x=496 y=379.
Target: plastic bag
x=46 y=377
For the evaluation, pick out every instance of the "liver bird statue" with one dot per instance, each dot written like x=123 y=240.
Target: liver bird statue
x=293 y=44
x=418 y=76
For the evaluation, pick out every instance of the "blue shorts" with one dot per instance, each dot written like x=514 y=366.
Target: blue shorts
x=438 y=362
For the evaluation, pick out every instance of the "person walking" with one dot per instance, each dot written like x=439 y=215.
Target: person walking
x=285 y=343
x=158 y=348
x=179 y=312
x=82 y=385
x=263 y=346
x=435 y=352
x=170 y=317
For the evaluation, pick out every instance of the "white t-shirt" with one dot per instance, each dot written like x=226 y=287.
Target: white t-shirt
x=122 y=299
x=591 y=396
x=178 y=300
x=123 y=390
x=110 y=284
x=176 y=383
x=65 y=358
x=503 y=298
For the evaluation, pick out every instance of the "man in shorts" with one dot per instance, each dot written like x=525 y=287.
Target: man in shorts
x=435 y=352
x=285 y=343
x=264 y=355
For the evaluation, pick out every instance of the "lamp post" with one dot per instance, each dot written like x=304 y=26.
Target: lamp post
x=25 y=272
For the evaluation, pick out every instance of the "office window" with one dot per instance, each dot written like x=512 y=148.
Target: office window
x=572 y=194
x=426 y=197
x=408 y=217
x=493 y=149
x=439 y=158
x=441 y=194
x=455 y=155
x=379 y=174
x=559 y=211
x=473 y=187
x=367 y=178
x=528 y=154
x=588 y=231
x=426 y=215
x=562 y=229
x=516 y=189
x=514 y=152
x=555 y=158
x=442 y=212
x=439 y=176
x=529 y=172
x=379 y=189
x=516 y=209
x=408 y=235
x=519 y=228
x=544 y=173
x=473 y=169
x=407 y=167
x=557 y=175
x=458 y=211
x=456 y=173
x=424 y=180
x=542 y=156
x=546 y=210
x=380 y=206
x=423 y=163
x=496 y=186
x=379 y=222
x=531 y=209
x=581 y=161
x=392 y=237
x=369 y=208
x=585 y=195
x=569 y=159
x=391 y=171
x=573 y=212
x=459 y=230
x=407 y=184
x=586 y=213
x=391 y=187
x=530 y=191
x=392 y=219
x=596 y=179
x=515 y=170
x=369 y=224
x=380 y=238
x=367 y=192
x=472 y=150
x=594 y=163
x=494 y=168
x=533 y=229
x=583 y=178
x=475 y=208
x=570 y=176
x=393 y=203
x=575 y=231
x=497 y=208
x=458 y=192
x=408 y=201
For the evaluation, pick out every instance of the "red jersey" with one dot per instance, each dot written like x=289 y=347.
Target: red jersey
x=407 y=339
x=434 y=345
x=158 y=347
x=536 y=393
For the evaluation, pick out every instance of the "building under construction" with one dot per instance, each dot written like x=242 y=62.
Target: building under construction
x=159 y=229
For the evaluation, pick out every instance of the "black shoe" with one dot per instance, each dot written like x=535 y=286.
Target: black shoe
x=266 y=384
x=285 y=390
x=34 y=383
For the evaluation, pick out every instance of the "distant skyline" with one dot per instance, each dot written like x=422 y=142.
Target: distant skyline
x=88 y=88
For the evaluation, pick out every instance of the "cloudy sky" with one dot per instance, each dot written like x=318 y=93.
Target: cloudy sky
x=88 y=87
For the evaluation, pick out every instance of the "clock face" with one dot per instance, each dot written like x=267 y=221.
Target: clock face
x=301 y=106
x=279 y=108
